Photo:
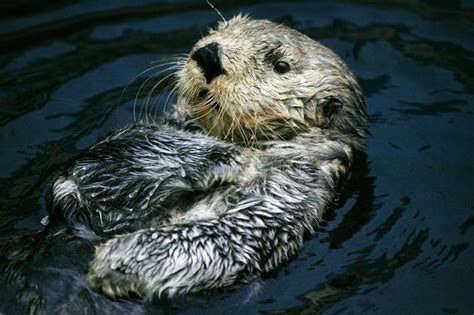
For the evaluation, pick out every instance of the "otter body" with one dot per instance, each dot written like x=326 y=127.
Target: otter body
x=279 y=118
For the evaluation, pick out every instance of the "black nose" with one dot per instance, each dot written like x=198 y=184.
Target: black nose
x=207 y=58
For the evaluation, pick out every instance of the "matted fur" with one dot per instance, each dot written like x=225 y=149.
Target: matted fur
x=219 y=206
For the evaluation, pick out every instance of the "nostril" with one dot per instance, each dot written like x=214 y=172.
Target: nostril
x=209 y=61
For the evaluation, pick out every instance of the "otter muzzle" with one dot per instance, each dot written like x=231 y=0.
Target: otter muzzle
x=208 y=60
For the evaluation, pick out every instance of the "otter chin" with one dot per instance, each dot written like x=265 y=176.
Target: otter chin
x=222 y=192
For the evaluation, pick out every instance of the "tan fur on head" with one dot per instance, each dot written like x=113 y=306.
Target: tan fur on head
x=251 y=101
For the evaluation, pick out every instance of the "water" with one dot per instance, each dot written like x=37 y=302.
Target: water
x=401 y=241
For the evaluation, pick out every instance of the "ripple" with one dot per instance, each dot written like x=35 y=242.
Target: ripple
x=401 y=230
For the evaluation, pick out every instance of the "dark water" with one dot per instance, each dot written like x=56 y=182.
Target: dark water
x=402 y=240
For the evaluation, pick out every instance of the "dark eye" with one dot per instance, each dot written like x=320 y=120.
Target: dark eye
x=281 y=67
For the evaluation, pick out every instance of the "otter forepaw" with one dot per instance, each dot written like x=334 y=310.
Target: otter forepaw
x=107 y=276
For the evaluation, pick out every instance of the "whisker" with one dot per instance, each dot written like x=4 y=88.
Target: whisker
x=172 y=57
x=143 y=85
x=131 y=81
x=219 y=116
x=172 y=92
x=173 y=85
x=217 y=11
x=176 y=63
x=207 y=110
x=165 y=104
x=149 y=94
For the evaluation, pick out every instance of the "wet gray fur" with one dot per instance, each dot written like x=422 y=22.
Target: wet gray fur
x=188 y=212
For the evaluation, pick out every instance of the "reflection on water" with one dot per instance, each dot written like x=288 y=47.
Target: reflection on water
x=400 y=240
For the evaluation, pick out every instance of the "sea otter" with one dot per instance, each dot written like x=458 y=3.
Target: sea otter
x=266 y=125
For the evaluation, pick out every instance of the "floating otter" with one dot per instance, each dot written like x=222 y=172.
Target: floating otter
x=266 y=125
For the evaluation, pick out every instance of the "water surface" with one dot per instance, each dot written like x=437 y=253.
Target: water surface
x=401 y=241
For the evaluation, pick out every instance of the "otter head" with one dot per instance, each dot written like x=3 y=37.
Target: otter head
x=254 y=80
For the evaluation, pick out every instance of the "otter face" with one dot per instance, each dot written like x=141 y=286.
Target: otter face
x=252 y=80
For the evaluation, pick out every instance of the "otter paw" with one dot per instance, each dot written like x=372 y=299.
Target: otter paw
x=108 y=275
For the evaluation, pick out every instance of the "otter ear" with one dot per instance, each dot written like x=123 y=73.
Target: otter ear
x=325 y=112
